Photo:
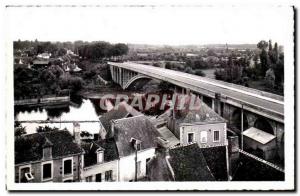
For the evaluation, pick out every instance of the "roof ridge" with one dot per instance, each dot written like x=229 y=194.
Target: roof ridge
x=128 y=118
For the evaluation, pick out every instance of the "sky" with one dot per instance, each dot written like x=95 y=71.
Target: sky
x=150 y=25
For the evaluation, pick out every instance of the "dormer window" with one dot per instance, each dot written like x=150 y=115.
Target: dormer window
x=136 y=143
x=47 y=149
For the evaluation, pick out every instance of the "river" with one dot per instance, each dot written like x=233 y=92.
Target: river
x=79 y=110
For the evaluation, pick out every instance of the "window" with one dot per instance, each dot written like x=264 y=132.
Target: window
x=190 y=137
x=138 y=168
x=108 y=175
x=138 y=146
x=216 y=136
x=47 y=171
x=23 y=171
x=89 y=179
x=98 y=177
x=147 y=166
x=68 y=166
x=203 y=137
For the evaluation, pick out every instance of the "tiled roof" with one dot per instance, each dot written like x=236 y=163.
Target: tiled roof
x=30 y=147
x=120 y=111
x=138 y=127
x=90 y=148
x=216 y=160
x=189 y=164
x=249 y=169
x=199 y=113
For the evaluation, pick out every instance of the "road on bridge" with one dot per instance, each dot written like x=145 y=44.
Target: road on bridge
x=264 y=102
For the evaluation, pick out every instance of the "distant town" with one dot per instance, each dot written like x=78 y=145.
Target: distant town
x=110 y=112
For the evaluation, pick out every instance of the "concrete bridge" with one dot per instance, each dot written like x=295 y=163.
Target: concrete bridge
x=243 y=107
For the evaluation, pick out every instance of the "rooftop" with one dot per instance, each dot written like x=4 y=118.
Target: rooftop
x=199 y=113
x=249 y=169
x=189 y=164
x=137 y=127
x=122 y=110
x=259 y=135
x=30 y=147
x=90 y=148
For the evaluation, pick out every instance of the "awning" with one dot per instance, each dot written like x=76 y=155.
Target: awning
x=258 y=135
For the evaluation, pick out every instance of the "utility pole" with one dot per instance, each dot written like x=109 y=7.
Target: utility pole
x=135 y=178
x=242 y=127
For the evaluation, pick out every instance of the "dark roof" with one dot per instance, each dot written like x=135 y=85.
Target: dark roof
x=200 y=113
x=122 y=110
x=90 y=148
x=216 y=160
x=139 y=128
x=158 y=169
x=249 y=169
x=189 y=164
x=30 y=147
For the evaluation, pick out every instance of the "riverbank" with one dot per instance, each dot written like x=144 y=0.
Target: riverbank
x=61 y=100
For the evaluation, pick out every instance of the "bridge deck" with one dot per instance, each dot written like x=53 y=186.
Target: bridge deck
x=259 y=99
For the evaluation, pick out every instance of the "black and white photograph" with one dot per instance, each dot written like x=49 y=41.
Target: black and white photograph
x=149 y=97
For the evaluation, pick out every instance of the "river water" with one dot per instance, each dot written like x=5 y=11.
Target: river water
x=80 y=110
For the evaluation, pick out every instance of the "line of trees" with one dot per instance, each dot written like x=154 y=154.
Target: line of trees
x=88 y=50
x=31 y=83
x=270 y=58
x=98 y=50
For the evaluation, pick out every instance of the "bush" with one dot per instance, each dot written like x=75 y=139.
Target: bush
x=199 y=72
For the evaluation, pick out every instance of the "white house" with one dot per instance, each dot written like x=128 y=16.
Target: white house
x=135 y=140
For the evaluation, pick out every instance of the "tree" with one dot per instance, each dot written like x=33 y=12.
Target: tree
x=279 y=70
x=19 y=129
x=199 y=72
x=270 y=45
x=119 y=49
x=46 y=128
x=263 y=56
x=262 y=45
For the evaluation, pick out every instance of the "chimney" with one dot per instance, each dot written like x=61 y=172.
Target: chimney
x=112 y=124
x=76 y=132
x=47 y=149
x=100 y=155
x=102 y=133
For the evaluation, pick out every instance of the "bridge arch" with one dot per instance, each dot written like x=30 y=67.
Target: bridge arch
x=134 y=79
x=236 y=120
x=264 y=125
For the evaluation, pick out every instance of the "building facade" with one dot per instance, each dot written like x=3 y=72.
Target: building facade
x=47 y=157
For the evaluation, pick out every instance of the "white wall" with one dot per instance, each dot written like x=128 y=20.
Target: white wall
x=196 y=129
x=101 y=168
x=127 y=164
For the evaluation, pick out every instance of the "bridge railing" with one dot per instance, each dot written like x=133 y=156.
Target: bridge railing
x=226 y=84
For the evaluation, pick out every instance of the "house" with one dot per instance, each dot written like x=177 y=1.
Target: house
x=135 y=140
x=47 y=157
x=44 y=55
x=192 y=163
x=121 y=110
x=38 y=63
x=200 y=124
x=122 y=155
x=191 y=55
x=260 y=141
x=100 y=161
